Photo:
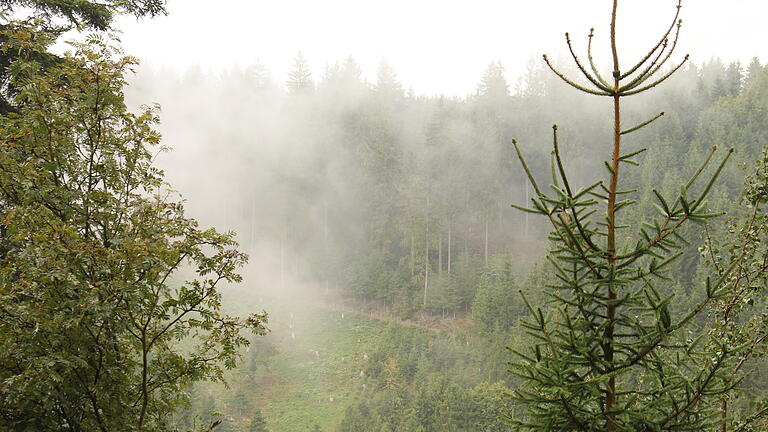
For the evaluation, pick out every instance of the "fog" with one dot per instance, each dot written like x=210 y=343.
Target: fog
x=437 y=47
x=363 y=155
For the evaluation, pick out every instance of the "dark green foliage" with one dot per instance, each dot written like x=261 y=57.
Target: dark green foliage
x=57 y=16
x=86 y=13
x=609 y=352
x=258 y=423
x=496 y=306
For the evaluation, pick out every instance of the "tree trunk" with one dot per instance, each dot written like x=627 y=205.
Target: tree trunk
x=440 y=254
x=486 y=241
x=449 y=248
x=426 y=257
x=325 y=223
x=610 y=392
x=413 y=256
x=282 y=262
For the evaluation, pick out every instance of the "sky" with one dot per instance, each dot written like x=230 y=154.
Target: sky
x=435 y=46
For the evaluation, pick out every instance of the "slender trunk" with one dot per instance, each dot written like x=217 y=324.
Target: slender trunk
x=282 y=262
x=413 y=256
x=611 y=394
x=426 y=257
x=724 y=415
x=440 y=254
x=466 y=240
x=325 y=223
x=144 y=379
x=501 y=217
x=449 y=248
x=486 y=242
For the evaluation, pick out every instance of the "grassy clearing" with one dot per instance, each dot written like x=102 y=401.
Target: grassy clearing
x=315 y=374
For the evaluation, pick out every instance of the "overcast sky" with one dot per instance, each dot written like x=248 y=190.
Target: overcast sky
x=436 y=46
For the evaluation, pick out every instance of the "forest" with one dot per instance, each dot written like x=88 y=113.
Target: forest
x=581 y=248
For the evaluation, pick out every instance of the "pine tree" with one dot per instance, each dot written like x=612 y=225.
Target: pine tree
x=493 y=85
x=300 y=77
x=610 y=355
x=387 y=85
x=258 y=423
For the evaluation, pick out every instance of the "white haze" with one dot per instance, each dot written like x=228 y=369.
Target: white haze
x=436 y=47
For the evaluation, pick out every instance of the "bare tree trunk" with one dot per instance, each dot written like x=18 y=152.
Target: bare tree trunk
x=426 y=257
x=501 y=217
x=449 y=248
x=282 y=262
x=486 y=241
x=325 y=222
x=440 y=254
x=466 y=241
x=413 y=256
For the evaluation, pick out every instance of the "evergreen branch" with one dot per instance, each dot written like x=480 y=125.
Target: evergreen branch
x=663 y=39
x=655 y=66
x=587 y=239
x=662 y=201
x=526 y=169
x=591 y=60
x=586 y=74
x=577 y=245
x=657 y=82
x=526 y=209
x=642 y=125
x=573 y=84
x=714 y=176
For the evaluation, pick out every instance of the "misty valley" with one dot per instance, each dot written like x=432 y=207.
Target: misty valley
x=579 y=247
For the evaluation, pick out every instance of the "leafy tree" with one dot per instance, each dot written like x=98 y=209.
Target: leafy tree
x=57 y=16
x=86 y=13
x=610 y=355
x=102 y=275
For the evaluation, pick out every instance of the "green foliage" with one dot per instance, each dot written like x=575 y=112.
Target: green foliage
x=609 y=353
x=101 y=274
x=258 y=423
x=86 y=13
x=496 y=306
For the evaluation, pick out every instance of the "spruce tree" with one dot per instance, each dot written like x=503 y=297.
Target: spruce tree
x=300 y=77
x=609 y=355
x=258 y=423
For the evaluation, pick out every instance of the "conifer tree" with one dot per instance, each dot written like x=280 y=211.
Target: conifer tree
x=610 y=355
x=300 y=77
x=494 y=85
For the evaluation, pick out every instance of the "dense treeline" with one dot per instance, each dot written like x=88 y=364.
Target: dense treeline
x=402 y=201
